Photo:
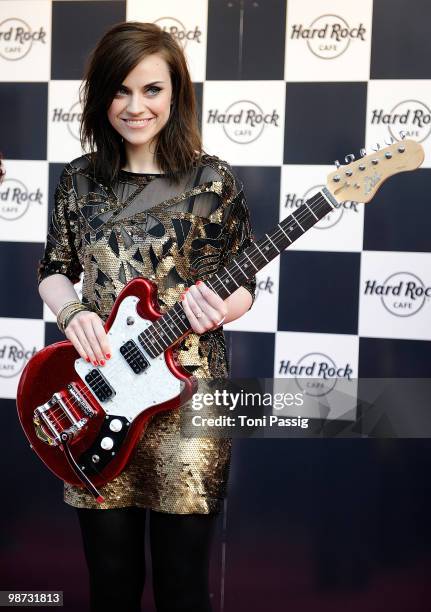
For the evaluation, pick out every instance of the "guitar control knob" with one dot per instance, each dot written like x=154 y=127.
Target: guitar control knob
x=95 y=458
x=107 y=443
x=336 y=178
x=115 y=425
x=388 y=155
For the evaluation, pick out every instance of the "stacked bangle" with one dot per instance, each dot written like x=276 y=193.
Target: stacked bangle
x=67 y=311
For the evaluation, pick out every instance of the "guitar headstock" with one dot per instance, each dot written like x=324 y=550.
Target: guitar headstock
x=359 y=180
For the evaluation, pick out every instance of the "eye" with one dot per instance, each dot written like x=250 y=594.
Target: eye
x=154 y=88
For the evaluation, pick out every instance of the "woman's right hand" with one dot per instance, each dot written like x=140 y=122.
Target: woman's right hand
x=87 y=334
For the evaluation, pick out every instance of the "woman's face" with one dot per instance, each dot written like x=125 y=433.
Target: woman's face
x=144 y=96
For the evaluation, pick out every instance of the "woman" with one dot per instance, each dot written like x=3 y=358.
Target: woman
x=147 y=201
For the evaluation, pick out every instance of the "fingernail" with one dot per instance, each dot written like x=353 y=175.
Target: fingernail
x=102 y=362
x=95 y=363
x=186 y=289
x=199 y=282
x=87 y=359
x=108 y=355
x=182 y=296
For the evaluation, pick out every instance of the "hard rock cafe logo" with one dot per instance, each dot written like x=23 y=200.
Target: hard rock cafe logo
x=243 y=121
x=328 y=36
x=179 y=31
x=71 y=117
x=321 y=369
x=13 y=356
x=16 y=198
x=292 y=202
x=412 y=117
x=17 y=38
x=403 y=294
x=265 y=285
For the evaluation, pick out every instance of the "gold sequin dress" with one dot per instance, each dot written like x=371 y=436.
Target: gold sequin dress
x=143 y=225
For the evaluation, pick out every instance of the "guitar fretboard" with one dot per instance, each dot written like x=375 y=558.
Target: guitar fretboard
x=173 y=324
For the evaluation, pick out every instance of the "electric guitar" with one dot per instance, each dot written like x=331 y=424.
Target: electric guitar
x=84 y=421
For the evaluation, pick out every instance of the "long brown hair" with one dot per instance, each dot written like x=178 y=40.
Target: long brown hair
x=179 y=143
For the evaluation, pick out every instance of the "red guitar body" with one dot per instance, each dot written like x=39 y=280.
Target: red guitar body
x=53 y=368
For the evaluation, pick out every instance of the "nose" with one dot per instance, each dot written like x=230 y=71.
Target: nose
x=136 y=104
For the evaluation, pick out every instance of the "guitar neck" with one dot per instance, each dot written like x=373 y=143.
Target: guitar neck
x=173 y=324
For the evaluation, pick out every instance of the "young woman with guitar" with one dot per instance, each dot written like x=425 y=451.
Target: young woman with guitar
x=146 y=201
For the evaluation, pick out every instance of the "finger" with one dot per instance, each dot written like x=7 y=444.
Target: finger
x=193 y=320
x=87 y=324
x=213 y=314
x=101 y=336
x=77 y=336
x=211 y=296
x=70 y=335
x=199 y=308
x=78 y=329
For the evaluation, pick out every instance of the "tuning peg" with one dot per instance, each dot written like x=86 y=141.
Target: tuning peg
x=377 y=147
x=403 y=134
x=337 y=163
x=349 y=158
x=362 y=152
x=391 y=141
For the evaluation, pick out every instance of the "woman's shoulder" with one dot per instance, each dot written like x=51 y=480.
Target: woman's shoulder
x=81 y=163
x=223 y=170
x=215 y=162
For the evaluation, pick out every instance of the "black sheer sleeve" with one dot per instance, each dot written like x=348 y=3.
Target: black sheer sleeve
x=60 y=256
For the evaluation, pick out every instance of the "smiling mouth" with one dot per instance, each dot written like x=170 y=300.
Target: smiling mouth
x=138 y=123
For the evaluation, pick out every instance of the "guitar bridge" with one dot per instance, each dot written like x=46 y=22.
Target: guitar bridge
x=60 y=415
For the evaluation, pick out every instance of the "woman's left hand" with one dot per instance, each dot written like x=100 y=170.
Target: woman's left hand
x=205 y=309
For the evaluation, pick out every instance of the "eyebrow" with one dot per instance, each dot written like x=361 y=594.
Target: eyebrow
x=147 y=85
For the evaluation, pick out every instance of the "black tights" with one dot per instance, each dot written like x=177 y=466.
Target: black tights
x=114 y=549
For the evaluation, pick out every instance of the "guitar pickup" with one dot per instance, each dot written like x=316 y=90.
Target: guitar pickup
x=134 y=356
x=99 y=385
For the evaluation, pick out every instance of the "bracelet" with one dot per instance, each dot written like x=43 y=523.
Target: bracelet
x=63 y=316
x=71 y=315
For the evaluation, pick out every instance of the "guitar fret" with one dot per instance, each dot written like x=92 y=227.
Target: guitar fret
x=311 y=210
x=275 y=246
x=152 y=332
x=257 y=246
x=285 y=233
x=220 y=281
x=298 y=223
x=231 y=276
x=241 y=269
x=165 y=329
x=168 y=314
x=250 y=261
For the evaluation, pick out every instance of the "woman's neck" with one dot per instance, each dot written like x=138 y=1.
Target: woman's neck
x=140 y=161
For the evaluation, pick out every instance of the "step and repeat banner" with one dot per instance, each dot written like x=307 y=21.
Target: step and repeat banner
x=284 y=90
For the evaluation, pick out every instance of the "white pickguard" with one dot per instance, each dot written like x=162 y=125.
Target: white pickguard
x=134 y=393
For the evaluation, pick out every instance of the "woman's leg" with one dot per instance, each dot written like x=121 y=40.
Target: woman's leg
x=180 y=553
x=114 y=547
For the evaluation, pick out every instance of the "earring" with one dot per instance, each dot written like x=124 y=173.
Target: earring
x=122 y=139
